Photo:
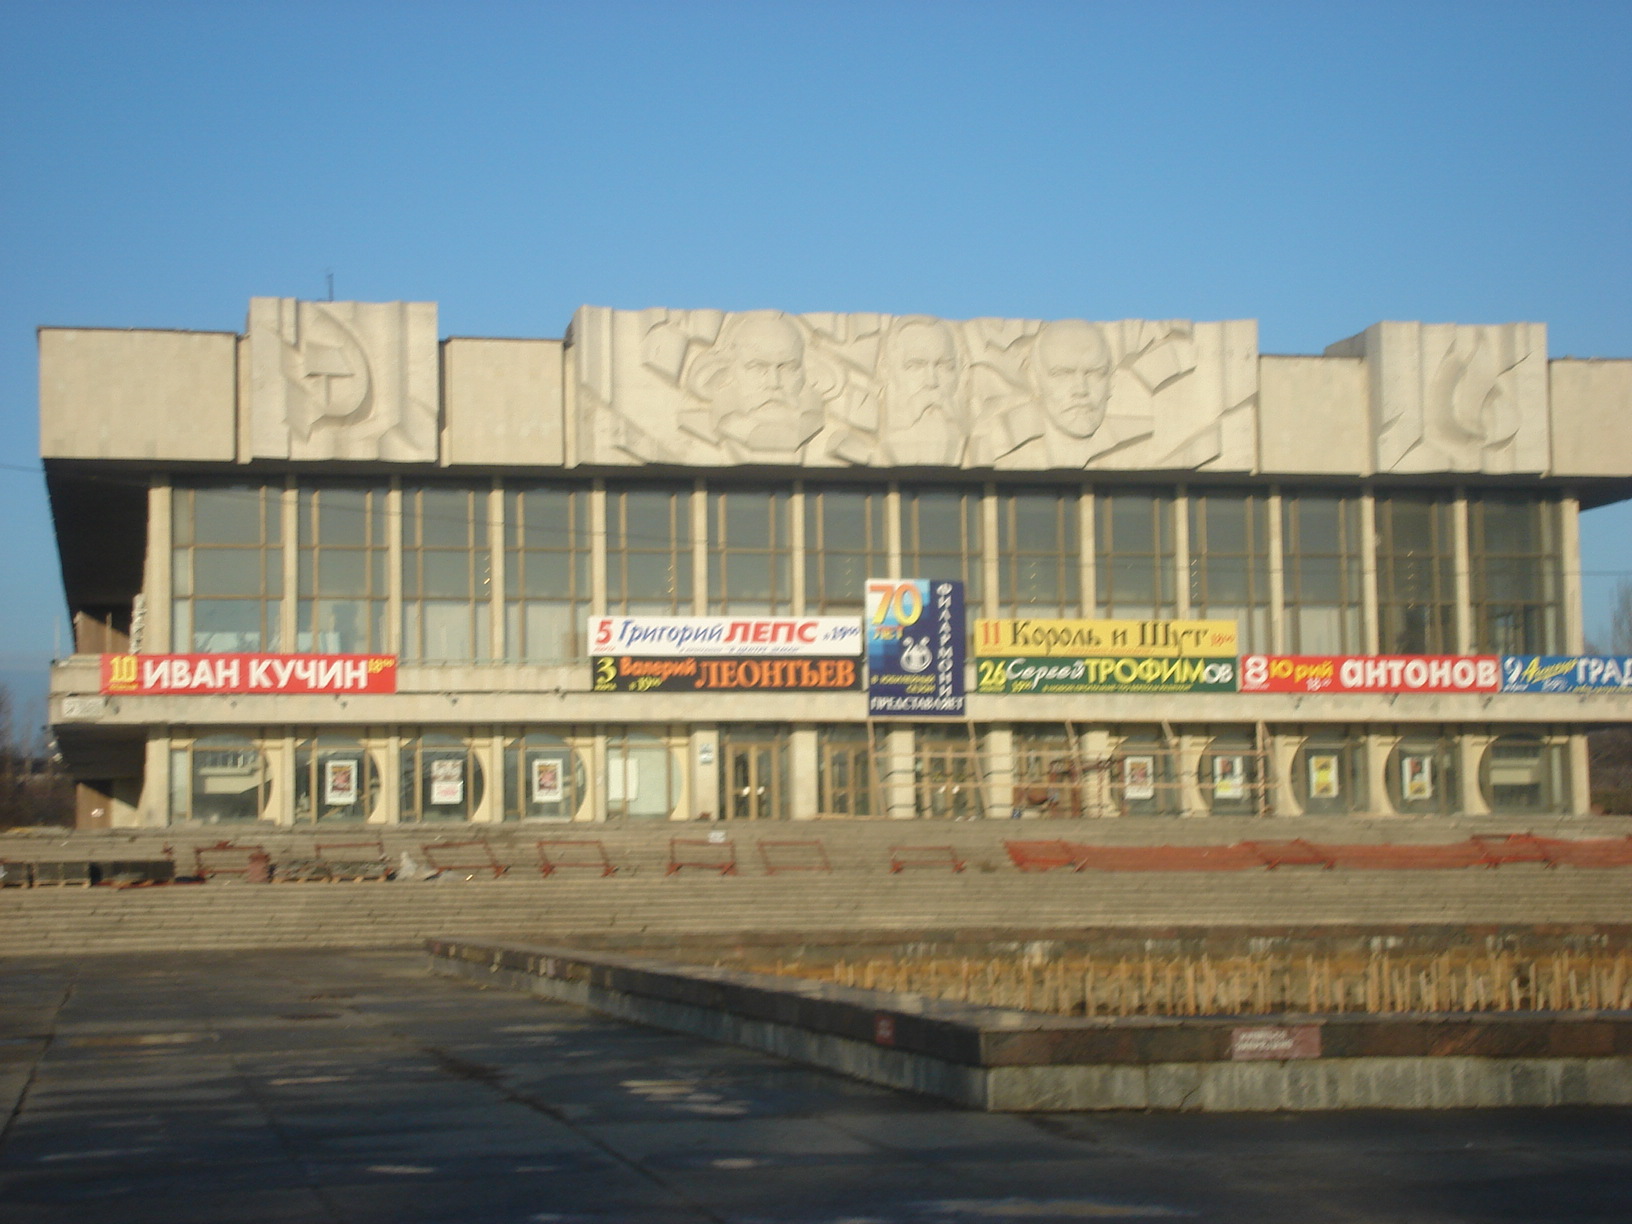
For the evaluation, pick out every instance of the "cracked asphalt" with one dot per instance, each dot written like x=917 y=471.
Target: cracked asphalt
x=356 y=1087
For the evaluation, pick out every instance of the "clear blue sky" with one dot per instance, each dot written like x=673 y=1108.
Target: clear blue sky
x=1317 y=167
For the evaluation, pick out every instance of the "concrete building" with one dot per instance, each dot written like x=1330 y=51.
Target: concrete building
x=339 y=569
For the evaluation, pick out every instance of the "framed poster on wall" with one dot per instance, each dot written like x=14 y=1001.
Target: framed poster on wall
x=340 y=782
x=1323 y=775
x=1229 y=777
x=1416 y=777
x=546 y=778
x=1138 y=778
x=447 y=783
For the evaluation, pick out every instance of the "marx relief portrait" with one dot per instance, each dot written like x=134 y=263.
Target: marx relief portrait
x=343 y=380
x=704 y=387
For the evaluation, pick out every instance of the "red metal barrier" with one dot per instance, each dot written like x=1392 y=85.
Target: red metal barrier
x=564 y=853
x=704 y=852
x=805 y=854
x=457 y=856
x=1293 y=853
x=1041 y=855
x=225 y=858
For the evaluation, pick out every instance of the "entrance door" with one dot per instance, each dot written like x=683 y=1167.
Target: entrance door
x=754 y=773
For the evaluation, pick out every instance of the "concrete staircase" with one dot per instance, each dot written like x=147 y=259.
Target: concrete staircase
x=860 y=894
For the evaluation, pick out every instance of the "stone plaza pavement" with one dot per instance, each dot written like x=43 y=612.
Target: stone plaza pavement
x=355 y=1087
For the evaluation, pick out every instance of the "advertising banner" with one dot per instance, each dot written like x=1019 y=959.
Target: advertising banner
x=1126 y=639
x=1566 y=673
x=639 y=674
x=150 y=675
x=1370 y=674
x=915 y=647
x=1109 y=675
x=696 y=637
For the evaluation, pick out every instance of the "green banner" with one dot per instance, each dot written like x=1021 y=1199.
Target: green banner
x=1113 y=675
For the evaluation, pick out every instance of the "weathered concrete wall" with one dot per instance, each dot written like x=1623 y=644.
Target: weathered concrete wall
x=1592 y=417
x=502 y=402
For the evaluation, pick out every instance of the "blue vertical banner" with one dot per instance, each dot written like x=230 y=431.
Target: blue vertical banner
x=915 y=648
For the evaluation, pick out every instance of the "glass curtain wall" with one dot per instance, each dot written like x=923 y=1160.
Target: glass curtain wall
x=343 y=586
x=1416 y=584
x=750 y=552
x=845 y=544
x=1135 y=550
x=1321 y=574
x=1514 y=558
x=227 y=569
x=941 y=538
x=546 y=572
x=1229 y=563
x=648 y=551
x=447 y=575
x=1039 y=553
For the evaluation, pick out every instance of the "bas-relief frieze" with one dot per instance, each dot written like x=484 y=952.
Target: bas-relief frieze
x=343 y=380
x=702 y=387
x=1456 y=398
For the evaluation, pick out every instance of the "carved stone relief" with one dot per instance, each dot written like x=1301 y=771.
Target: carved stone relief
x=343 y=380
x=1452 y=398
x=701 y=387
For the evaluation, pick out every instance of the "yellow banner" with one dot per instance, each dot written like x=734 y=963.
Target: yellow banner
x=1082 y=639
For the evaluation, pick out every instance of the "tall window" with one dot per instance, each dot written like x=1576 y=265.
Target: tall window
x=1134 y=568
x=446 y=574
x=941 y=537
x=1513 y=553
x=342 y=565
x=648 y=551
x=750 y=555
x=1229 y=563
x=1039 y=556
x=844 y=771
x=227 y=568
x=845 y=544
x=546 y=572
x=1320 y=543
x=1416 y=584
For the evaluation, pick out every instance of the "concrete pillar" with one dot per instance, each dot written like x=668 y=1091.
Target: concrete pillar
x=1282 y=759
x=594 y=808
x=900 y=790
x=393 y=568
x=1000 y=763
x=703 y=752
x=1369 y=628
x=699 y=548
x=156 y=628
x=389 y=811
x=597 y=548
x=1464 y=643
x=153 y=808
x=1375 y=765
x=496 y=562
x=1188 y=765
x=804 y=767
x=796 y=549
x=1181 y=552
x=1470 y=752
x=892 y=530
x=1569 y=551
x=1088 y=553
x=989 y=540
x=1580 y=803
x=1277 y=578
x=289 y=531
x=487 y=746
x=280 y=762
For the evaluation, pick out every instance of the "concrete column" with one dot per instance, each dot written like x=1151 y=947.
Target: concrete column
x=1376 y=768
x=990 y=546
x=1181 y=551
x=1464 y=643
x=158 y=586
x=280 y=762
x=488 y=747
x=597 y=549
x=289 y=530
x=900 y=779
x=1470 y=750
x=796 y=548
x=1281 y=759
x=1088 y=553
x=699 y=548
x=594 y=807
x=1580 y=777
x=803 y=769
x=1189 y=749
x=1369 y=624
x=393 y=568
x=1277 y=577
x=1569 y=551
x=153 y=808
x=999 y=797
x=390 y=809
x=703 y=755
x=496 y=563
x=892 y=530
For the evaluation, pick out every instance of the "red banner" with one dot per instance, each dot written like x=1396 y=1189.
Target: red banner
x=1370 y=674
x=153 y=675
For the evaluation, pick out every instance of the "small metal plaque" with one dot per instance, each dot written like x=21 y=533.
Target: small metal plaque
x=1274 y=1042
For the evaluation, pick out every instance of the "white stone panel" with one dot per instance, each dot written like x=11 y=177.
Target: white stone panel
x=705 y=388
x=137 y=394
x=1592 y=418
x=1447 y=397
x=1313 y=416
x=502 y=401
x=343 y=380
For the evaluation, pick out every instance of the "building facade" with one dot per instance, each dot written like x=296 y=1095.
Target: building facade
x=339 y=570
